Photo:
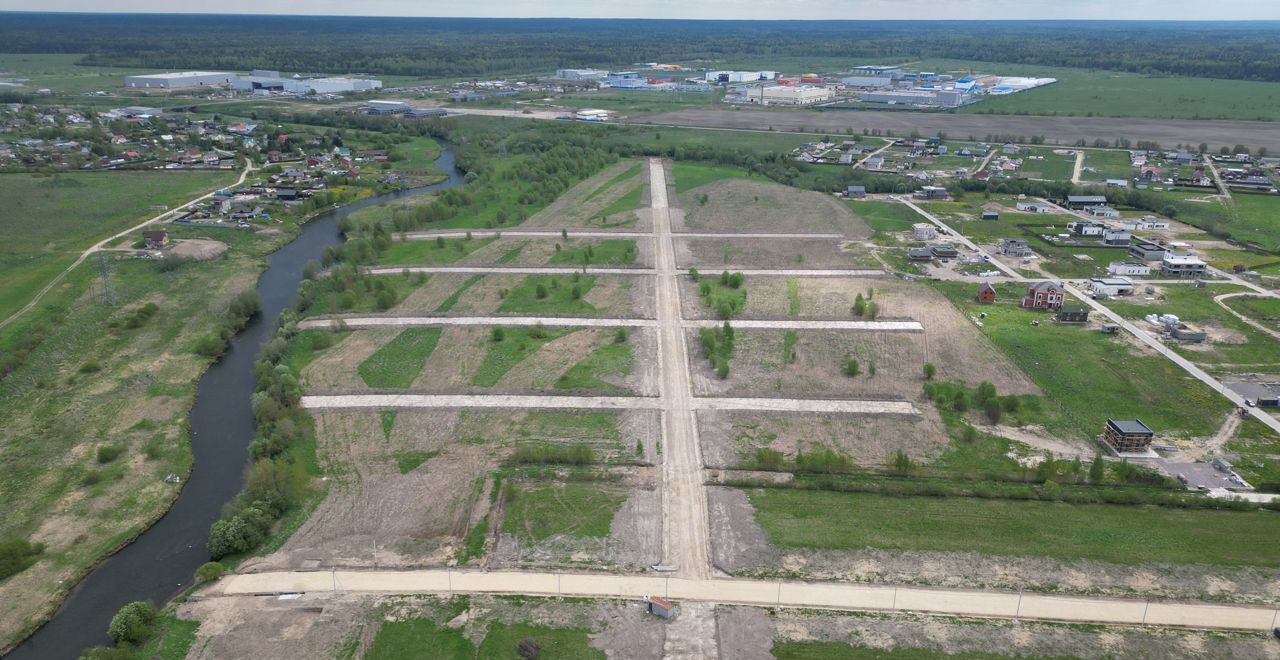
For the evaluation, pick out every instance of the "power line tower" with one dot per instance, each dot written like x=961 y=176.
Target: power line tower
x=108 y=294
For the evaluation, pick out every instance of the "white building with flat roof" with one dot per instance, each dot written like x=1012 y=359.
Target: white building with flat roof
x=179 y=79
x=781 y=95
x=580 y=74
x=1129 y=268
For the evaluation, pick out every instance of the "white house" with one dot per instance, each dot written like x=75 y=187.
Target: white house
x=923 y=231
x=1128 y=268
x=1111 y=286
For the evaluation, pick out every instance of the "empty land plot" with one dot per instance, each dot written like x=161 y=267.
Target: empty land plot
x=569 y=295
x=712 y=254
x=338 y=367
x=1048 y=163
x=374 y=513
x=398 y=362
x=885 y=217
x=740 y=205
x=992 y=544
x=616 y=192
x=761 y=365
x=731 y=438
x=1103 y=164
x=580 y=360
x=1263 y=310
x=1230 y=342
x=432 y=252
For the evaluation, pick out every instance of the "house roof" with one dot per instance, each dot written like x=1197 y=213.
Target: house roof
x=1044 y=286
x=1087 y=199
x=986 y=286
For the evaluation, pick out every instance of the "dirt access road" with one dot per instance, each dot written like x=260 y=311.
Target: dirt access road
x=325 y=323
x=766 y=593
x=686 y=543
x=1064 y=130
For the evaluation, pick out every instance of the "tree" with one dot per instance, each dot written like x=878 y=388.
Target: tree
x=930 y=371
x=901 y=464
x=993 y=410
x=960 y=401
x=439 y=241
x=986 y=392
x=209 y=571
x=722 y=369
x=969 y=435
x=859 y=306
x=540 y=291
x=132 y=624
x=1097 y=469
x=385 y=300
x=497 y=334
x=873 y=310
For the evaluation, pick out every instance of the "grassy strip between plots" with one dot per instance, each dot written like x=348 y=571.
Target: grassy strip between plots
x=398 y=362
x=425 y=639
x=692 y=175
x=626 y=174
x=615 y=359
x=613 y=251
x=1119 y=534
x=431 y=252
x=539 y=511
x=550 y=294
x=457 y=295
x=509 y=347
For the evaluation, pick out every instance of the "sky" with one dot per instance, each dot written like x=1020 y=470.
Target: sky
x=700 y=9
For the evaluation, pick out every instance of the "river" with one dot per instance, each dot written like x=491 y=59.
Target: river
x=162 y=561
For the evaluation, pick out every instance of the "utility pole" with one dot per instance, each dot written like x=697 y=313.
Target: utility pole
x=104 y=273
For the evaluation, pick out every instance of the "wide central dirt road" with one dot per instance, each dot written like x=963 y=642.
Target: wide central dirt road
x=686 y=544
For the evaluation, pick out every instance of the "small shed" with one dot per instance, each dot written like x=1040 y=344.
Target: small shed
x=1072 y=314
x=1110 y=328
x=660 y=607
x=986 y=293
x=990 y=215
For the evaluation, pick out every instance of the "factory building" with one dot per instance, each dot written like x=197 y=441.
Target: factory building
x=726 y=77
x=264 y=84
x=580 y=74
x=795 y=95
x=948 y=98
x=388 y=107
x=181 y=79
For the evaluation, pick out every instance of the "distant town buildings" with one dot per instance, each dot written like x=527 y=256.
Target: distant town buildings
x=259 y=81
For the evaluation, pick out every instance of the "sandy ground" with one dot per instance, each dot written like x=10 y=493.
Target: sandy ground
x=1065 y=130
x=757 y=205
x=198 y=248
x=741 y=547
x=335 y=367
x=729 y=438
x=714 y=255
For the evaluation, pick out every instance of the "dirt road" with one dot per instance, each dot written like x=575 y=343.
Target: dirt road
x=1242 y=317
x=509 y=270
x=686 y=535
x=766 y=593
x=1063 y=130
x=594 y=233
x=1079 y=167
x=589 y=322
x=100 y=245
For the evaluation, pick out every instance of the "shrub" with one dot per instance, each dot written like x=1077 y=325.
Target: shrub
x=722 y=369
x=986 y=391
x=91 y=478
x=540 y=292
x=993 y=410
x=620 y=336
x=969 y=435
x=736 y=280
x=538 y=331
x=849 y=366
x=132 y=624
x=497 y=334
x=930 y=371
x=209 y=571
x=769 y=459
x=385 y=300
x=92 y=366
x=108 y=453
x=16 y=555
x=901 y=464
x=960 y=401
x=693 y=275
x=575 y=292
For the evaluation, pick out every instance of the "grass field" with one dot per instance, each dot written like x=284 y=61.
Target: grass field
x=1042 y=163
x=48 y=220
x=615 y=359
x=1118 y=534
x=398 y=362
x=692 y=175
x=542 y=510
x=60 y=73
x=749 y=141
x=1196 y=306
x=430 y=252
x=632 y=172
x=1086 y=93
x=426 y=640
x=613 y=251
x=1106 y=164
x=1104 y=376
x=1263 y=310
x=558 y=299
x=1256 y=219
x=516 y=345
x=885 y=217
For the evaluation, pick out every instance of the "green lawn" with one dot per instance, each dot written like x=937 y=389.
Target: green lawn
x=559 y=298
x=516 y=345
x=48 y=220
x=1107 y=164
x=420 y=639
x=1256 y=219
x=690 y=175
x=628 y=202
x=1195 y=305
x=430 y=252
x=397 y=363
x=612 y=252
x=614 y=359
x=1087 y=376
x=1263 y=310
x=1046 y=164
x=1119 y=534
x=502 y=641
x=885 y=217
x=541 y=510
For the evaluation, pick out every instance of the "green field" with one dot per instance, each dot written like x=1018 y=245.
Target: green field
x=516 y=345
x=423 y=639
x=1104 y=376
x=615 y=359
x=613 y=252
x=1256 y=219
x=1047 y=165
x=1194 y=305
x=542 y=510
x=885 y=217
x=632 y=172
x=398 y=363
x=60 y=73
x=1107 y=164
x=1088 y=93
x=827 y=520
x=48 y=220
x=1263 y=310
x=693 y=175
x=559 y=298
x=430 y=252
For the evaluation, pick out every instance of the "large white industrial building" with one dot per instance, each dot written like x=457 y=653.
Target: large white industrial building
x=179 y=79
x=739 y=76
x=580 y=74
x=782 y=95
x=918 y=96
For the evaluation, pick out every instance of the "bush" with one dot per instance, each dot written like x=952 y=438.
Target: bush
x=540 y=292
x=722 y=369
x=993 y=409
x=108 y=453
x=91 y=478
x=620 y=336
x=497 y=334
x=385 y=300
x=538 y=331
x=769 y=459
x=209 y=571
x=133 y=623
x=849 y=366
x=930 y=371
x=92 y=366
x=901 y=464
x=16 y=555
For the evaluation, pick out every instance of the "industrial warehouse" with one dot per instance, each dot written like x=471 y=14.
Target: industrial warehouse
x=259 y=81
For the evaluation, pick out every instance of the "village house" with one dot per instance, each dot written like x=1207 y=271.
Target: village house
x=1044 y=295
x=1034 y=207
x=1128 y=268
x=1111 y=286
x=1072 y=313
x=1116 y=237
x=155 y=240
x=1015 y=247
x=986 y=293
x=923 y=231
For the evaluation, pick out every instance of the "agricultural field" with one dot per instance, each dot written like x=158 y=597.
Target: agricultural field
x=48 y=219
x=60 y=73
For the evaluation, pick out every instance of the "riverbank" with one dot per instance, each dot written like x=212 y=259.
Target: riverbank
x=152 y=541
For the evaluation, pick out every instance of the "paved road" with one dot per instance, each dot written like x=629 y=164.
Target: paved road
x=588 y=322
x=959 y=237
x=686 y=543
x=99 y=246
x=765 y=593
x=554 y=402
x=593 y=233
